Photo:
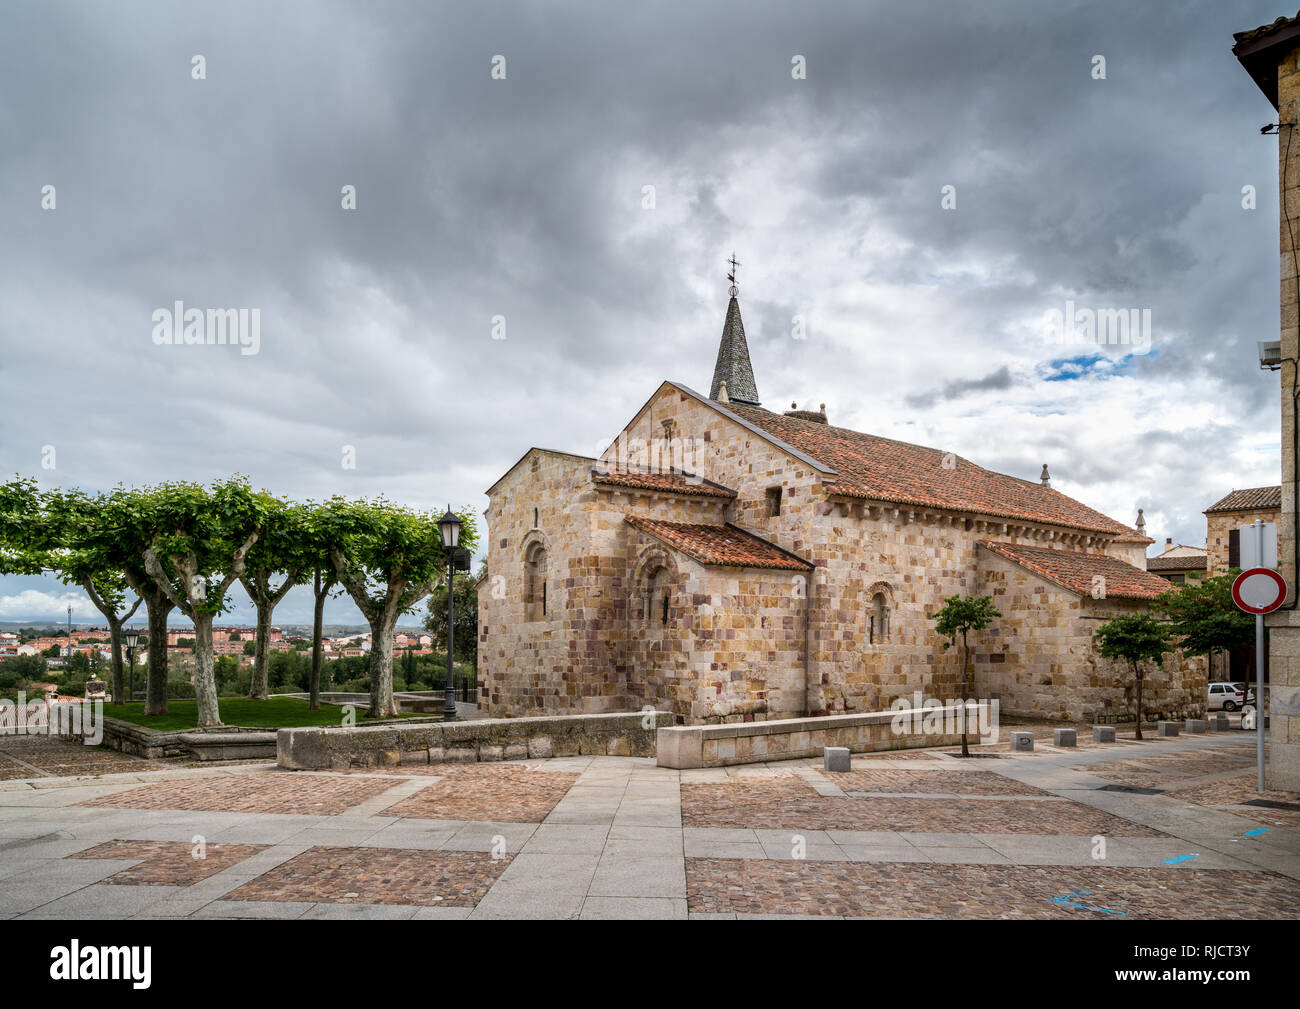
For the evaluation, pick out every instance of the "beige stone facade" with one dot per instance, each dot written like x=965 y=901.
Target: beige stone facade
x=848 y=628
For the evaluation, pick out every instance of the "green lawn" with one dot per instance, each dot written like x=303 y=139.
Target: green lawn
x=273 y=713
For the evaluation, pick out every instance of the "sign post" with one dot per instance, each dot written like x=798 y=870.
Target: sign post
x=1259 y=590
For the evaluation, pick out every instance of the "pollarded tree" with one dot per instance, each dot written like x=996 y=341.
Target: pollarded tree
x=1134 y=638
x=388 y=559
x=278 y=550
x=122 y=535
x=201 y=538
x=62 y=531
x=83 y=555
x=959 y=616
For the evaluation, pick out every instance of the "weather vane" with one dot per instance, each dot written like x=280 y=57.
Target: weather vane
x=732 y=275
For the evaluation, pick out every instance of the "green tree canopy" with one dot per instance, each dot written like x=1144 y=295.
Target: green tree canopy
x=1134 y=638
x=1203 y=617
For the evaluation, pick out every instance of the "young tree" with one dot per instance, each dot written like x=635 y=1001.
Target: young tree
x=279 y=548
x=200 y=540
x=959 y=616
x=1134 y=638
x=388 y=559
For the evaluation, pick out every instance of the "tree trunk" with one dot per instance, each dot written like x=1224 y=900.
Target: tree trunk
x=157 y=605
x=965 y=692
x=318 y=623
x=382 y=704
x=205 y=684
x=258 y=689
x=118 y=685
x=1137 y=674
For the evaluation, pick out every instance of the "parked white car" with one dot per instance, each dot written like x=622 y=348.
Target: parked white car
x=1225 y=697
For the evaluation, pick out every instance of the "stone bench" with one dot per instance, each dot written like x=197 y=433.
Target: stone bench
x=230 y=745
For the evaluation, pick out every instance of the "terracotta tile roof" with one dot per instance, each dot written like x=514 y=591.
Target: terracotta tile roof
x=880 y=469
x=1250 y=499
x=1184 y=562
x=724 y=545
x=1075 y=571
x=673 y=482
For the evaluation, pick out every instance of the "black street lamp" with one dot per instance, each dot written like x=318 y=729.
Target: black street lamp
x=130 y=638
x=449 y=526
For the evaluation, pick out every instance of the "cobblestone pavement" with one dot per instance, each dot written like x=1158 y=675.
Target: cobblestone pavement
x=925 y=834
x=41 y=756
x=885 y=890
x=169 y=863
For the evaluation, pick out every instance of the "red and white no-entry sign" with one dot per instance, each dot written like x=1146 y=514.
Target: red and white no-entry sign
x=1258 y=590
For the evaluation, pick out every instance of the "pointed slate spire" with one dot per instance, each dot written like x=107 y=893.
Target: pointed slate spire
x=733 y=365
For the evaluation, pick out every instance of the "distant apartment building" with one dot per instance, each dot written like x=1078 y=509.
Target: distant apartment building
x=1179 y=563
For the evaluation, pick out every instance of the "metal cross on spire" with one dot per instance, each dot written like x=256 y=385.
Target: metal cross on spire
x=732 y=275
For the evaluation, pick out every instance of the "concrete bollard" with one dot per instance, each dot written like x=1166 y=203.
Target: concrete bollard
x=1022 y=741
x=835 y=758
x=1064 y=737
x=1219 y=722
x=1103 y=733
x=1166 y=728
x=1195 y=725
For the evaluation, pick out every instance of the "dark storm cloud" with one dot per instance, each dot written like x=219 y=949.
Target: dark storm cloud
x=523 y=199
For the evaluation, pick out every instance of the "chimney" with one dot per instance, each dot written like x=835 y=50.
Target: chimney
x=1141 y=524
x=1169 y=541
x=815 y=417
x=1045 y=478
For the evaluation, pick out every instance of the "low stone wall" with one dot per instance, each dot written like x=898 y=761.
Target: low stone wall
x=687 y=746
x=619 y=735
x=139 y=741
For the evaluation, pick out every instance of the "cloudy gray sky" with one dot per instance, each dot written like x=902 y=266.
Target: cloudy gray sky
x=525 y=198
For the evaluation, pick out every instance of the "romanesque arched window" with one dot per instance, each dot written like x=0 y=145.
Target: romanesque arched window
x=535 y=601
x=657 y=596
x=878 y=619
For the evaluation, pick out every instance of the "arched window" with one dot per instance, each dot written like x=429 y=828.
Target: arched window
x=658 y=597
x=535 y=601
x=878 y=620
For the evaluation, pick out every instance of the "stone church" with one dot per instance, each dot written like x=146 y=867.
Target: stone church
x=727 y=562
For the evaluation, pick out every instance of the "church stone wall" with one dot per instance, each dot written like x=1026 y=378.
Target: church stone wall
x=1038 y=658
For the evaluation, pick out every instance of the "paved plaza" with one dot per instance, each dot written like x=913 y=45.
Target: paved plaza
x=1164 y=828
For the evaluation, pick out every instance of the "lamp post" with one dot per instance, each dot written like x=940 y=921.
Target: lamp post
x=449 y=526
x=130 y=638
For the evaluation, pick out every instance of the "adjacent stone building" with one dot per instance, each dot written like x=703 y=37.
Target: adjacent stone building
x=726 y=562
x=1224 y=519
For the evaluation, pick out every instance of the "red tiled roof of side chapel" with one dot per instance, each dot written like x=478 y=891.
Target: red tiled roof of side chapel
x=672 y=482
x=1076 y=571
x=720 y=544
x=880 y=469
